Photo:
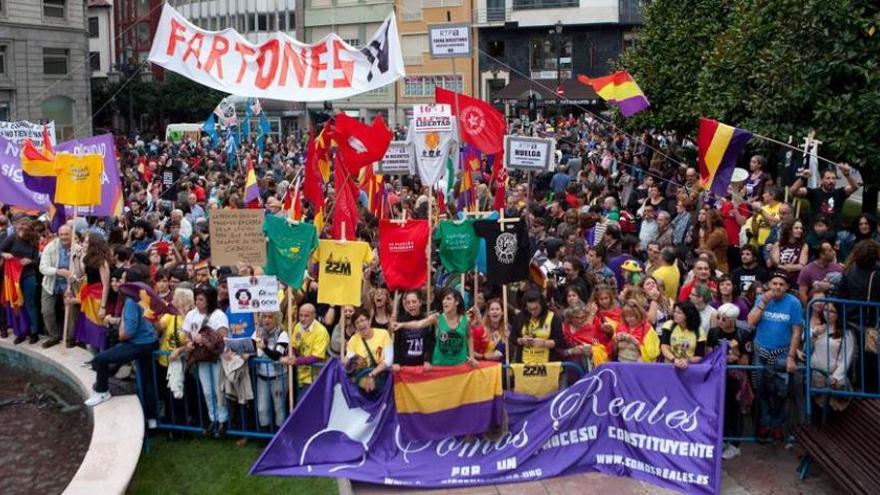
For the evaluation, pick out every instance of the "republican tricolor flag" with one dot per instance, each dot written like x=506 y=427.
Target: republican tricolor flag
x=251 y=188
x=449 y=401
x=718 y=146
x=619 y=89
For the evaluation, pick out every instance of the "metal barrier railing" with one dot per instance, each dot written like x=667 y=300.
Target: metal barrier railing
x=190 y=413
x=856 y=331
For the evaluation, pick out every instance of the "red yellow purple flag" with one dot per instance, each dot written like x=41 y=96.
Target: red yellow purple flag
x=619 y=89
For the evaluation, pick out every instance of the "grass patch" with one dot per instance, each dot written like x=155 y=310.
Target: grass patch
x=196 y=466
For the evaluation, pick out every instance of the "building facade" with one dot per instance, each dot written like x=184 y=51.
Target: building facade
x=535 y=49
x=355 y=21
x=424 y=73
x=102 y=48
x=44 y=69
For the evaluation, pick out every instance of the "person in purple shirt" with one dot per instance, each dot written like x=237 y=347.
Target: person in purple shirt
x=815 y=273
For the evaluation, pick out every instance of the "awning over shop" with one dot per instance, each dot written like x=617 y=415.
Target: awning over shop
x=518 y=90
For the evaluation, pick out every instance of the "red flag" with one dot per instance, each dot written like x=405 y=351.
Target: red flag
x=359 y=144
x=481 y=124
x=345 y=210
x=499 y=180
x=402 y=253
x=312 y=188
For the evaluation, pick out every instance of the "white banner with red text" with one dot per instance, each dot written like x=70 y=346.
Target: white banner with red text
x=281 y=68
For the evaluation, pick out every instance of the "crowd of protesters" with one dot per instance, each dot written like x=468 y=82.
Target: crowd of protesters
x=634 y=262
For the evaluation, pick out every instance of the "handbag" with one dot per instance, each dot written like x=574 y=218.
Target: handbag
x=871 y=332
x=210 y=350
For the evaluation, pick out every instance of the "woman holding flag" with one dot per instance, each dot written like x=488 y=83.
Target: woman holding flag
x=20 y=254
x=92 y=263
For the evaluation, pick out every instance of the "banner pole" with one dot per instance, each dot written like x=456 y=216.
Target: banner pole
x=428 y=291
x=290 y=367
x=67 y=305
x=505 y=330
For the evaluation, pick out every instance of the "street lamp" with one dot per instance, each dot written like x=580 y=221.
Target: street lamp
x=557 y=37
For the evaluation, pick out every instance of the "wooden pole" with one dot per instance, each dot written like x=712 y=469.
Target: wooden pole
x=505 y=329
x=428 y=291
x=290 y=367
x=67 y=306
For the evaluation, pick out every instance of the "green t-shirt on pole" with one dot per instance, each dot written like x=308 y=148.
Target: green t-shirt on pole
x=450 y=344
x=458 y=245
x=290 y=247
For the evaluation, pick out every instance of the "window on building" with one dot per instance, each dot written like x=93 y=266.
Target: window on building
x=543 y=54
x=262 y=22
x=143 y=7
x=411 y=10
x=93 y=27
x=544 y=4
x=60 y=110
x=143 y=33
x=53 y=8
x=95 y=61
x=3 y=56
x=421 y=86
x=413 y=46
x=55 y=61
x=291 y=21
x=495 y=48
x=4 y=111
x=251 y=23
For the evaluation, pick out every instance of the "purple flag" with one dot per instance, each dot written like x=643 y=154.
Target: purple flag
x=13 y=190
x=650 y=422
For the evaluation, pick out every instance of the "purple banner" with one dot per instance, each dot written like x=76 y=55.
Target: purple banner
x=650 y=422
x=13 y=191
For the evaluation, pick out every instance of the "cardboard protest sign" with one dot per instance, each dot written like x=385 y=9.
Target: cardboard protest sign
x=237 y=237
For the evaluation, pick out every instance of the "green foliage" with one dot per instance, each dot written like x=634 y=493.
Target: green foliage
x=213 y=466
x=778 y=68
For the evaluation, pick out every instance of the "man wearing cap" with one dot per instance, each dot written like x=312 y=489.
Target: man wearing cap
x=778 y=320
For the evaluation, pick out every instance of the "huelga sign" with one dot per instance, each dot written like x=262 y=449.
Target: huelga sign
x=651 y=422
x=281 y=68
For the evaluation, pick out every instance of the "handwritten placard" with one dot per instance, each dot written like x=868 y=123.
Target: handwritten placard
x=237 y=237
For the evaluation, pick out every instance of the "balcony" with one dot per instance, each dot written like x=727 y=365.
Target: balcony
x=491 y=15
x=632 y=11
x=544 y=4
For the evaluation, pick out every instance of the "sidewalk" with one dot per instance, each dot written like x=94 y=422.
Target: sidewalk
x=760 y=470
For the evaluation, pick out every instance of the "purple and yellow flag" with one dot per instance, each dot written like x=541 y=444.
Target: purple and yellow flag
x=448 y=400
x=718 y=146
x=147 y=298
x=619 y=89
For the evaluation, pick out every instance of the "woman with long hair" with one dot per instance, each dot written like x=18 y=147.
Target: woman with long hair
x=866 y=228
x=380 y=308
x=92 y=264
x=342 y=331
x=659 y=305
x=791 y=254
x=728 y=292
x=833 y=352
x=713 y=236
x=682 y=341
x=172 y=339
x=206 y=326
x=20 y=254
x=539 y=331
x=412 y=346
x=452 y=341
x=489 y=333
